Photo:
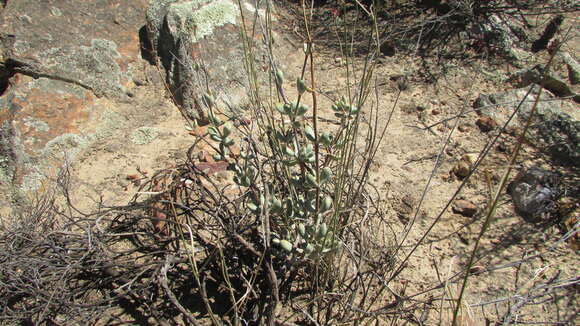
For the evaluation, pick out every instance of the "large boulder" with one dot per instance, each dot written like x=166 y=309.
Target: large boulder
x=57 y=61
x=80 y=76
x=198 y=43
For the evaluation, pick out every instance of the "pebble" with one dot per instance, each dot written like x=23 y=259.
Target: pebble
x=464 y=207
x=463 y=128
x=463 y=166
x=486 y=124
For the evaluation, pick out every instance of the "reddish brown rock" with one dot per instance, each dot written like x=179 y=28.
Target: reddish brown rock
x=212 y=168
x=464 y=207
x=486 y=123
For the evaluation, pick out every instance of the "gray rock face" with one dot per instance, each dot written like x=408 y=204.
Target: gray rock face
x=199 y=46
x=73 y=76
x=57 y=59
x=556 y=128
x=537 y=75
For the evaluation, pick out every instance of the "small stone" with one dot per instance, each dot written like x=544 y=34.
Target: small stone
x=435 y=112
x=486 y=124
x=132 y=177
x=421 y=108
x=534 y=192
x=464 y=127
x=464 y=207
x=463 y=166
x=212 y=168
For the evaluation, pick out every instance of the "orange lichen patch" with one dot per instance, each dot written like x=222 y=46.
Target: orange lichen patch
x=130 y=48
x=44 y=116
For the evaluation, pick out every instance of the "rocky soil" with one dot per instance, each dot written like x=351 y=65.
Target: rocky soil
x=81 y=88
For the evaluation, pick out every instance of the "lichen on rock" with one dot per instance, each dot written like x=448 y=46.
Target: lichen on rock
x=144 y=135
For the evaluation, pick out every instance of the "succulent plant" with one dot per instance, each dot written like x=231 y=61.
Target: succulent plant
x=279 y=77
x=301 y=86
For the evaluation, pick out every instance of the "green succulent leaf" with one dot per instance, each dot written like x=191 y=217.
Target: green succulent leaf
x=227 y=129
x=252 y=206
x=322 y=231
x=302 y=230
x=289 y=151
x=208 y=100
x=301 y=110
x=301 y=86
x=281 y=108
x=326 y=203
x=325 y=174
x=286 y=245
x=227 y=141
x=290 y=162
x=311 y=179
x=275 y=204
x=212 y=131
x=251 y=172
x=215 y=137
x=280 y=77
x=309 y=133
x=326 y=138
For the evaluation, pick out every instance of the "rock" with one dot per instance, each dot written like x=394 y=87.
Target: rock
x=64 y=60
x=400 y=81
x=537 y=75
x=463 y=166
x=388 y=49
x=199 y=46
x=556 y=128
x=534 y=192
x=503 y=36
x=486 y=124
x=211 y=168
x=464 y=207
x=144 y=135
x=464 y=127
